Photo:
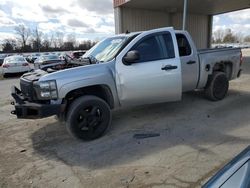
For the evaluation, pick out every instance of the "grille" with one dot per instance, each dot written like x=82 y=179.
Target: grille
x=27 y=89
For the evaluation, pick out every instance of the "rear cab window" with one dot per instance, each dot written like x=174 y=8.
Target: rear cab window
x=183 y=45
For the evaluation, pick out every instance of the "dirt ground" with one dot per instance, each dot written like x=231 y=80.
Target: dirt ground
x=197 y=137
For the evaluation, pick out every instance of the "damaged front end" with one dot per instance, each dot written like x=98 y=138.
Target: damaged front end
x=28 y=101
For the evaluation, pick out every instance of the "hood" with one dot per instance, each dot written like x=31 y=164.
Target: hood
x=34 y=76
x=77 y=73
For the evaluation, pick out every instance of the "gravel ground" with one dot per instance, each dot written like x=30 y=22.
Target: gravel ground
x=197 y=137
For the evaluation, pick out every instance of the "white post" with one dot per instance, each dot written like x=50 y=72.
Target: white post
x=184 y=15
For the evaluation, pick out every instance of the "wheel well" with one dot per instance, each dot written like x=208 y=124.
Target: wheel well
x=225 y=67
x=101 y=91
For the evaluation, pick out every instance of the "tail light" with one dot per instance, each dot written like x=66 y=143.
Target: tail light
x=6 y=66
x=25 y=64
x=241 y=58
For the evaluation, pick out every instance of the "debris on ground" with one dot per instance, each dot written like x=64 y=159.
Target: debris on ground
x=146 y=135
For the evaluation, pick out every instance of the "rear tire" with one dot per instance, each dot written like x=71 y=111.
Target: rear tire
x=88 y=118
x=217 y=86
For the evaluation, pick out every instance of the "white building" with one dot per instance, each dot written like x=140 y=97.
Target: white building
x=139 y=15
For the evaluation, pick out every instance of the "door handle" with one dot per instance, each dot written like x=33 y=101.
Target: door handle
x=169 y=67
x=191 y=62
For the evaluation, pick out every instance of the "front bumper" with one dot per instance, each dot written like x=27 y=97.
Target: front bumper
x=29 y=110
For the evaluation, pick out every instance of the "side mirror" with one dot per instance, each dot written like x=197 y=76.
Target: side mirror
x=131 y=57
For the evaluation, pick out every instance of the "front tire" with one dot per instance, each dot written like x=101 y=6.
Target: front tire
x=88 y=118
x=217 y=86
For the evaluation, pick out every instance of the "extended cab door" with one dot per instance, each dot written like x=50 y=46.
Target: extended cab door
x=189 y=62
x=156 y=76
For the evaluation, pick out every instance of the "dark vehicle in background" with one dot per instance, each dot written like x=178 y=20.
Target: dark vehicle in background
x=236 y=174
x=77 y=54
x=52 y=63
x=49 y=61
x=32 y=58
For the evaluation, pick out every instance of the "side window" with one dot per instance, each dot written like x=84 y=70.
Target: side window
x=183 y=45
x=169 y=46
x=149 y=49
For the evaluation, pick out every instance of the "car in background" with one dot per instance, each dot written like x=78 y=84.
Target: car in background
x=45 y=62
x=2 y=56
x=77 y=54
x=62 y=55
x=15 y=64
x=236 y=174
x=32 y=58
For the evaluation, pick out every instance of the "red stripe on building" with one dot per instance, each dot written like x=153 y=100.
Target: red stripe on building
x=119 y=2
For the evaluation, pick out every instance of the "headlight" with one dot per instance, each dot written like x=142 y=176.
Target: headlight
x=48 y=89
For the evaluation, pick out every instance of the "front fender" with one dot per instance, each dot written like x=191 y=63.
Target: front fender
x=105 y=80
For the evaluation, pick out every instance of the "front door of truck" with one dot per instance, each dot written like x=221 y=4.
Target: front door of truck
x=156 y=76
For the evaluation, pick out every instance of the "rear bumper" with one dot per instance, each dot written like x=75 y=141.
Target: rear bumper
x=13 y=71
x=28 y=110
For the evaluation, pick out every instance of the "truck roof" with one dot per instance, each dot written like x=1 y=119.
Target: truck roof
x=152 y=30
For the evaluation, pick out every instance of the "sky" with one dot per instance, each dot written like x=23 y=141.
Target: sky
x=238 y=22
x=87 y=19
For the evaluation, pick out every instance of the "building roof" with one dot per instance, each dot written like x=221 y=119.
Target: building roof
x=208 y=7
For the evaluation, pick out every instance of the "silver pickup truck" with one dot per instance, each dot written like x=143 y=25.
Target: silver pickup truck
x=129 y=69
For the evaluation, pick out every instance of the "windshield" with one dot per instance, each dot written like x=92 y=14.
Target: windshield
x=107 y=49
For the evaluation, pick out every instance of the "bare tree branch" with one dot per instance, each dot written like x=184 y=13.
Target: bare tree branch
x=24 y=34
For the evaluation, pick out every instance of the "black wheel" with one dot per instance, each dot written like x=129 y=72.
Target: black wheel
x=217 y=86
x=88 y=118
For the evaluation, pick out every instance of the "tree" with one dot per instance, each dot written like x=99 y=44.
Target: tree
x=247 y=38
x=59 y=36
x=239 y=37
x=9 y=45
x=229 y=37
x=24 y=34
x=219 y=35
x=86 y=45
x=33 y=40
x=68 y=46
x=46 y=43
x=71 y=38
x=70 y=42
x=37 y=40
x=52 y=41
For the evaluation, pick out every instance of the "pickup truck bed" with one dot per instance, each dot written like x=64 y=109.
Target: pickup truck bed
x=227 y=57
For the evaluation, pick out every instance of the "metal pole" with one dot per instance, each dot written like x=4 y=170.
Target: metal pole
x=184 y=15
